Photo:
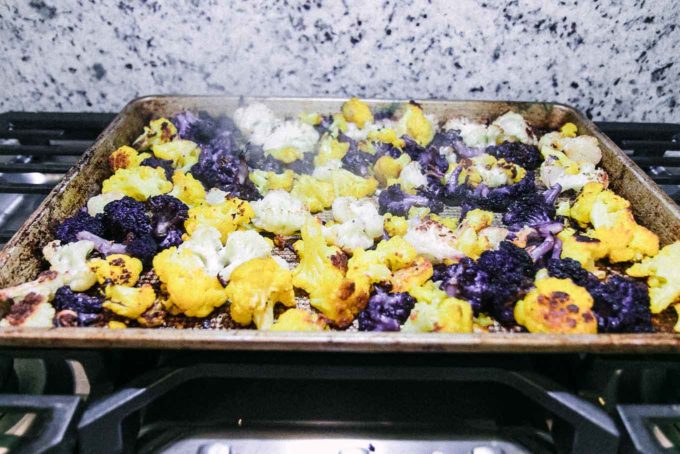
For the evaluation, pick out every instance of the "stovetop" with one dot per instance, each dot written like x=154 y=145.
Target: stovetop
x=239 y=402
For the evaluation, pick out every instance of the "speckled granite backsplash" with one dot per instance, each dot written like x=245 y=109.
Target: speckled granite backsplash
x=612 y=59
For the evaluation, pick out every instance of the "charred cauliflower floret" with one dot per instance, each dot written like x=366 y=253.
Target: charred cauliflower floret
x=663 y=276
x=279 y=212
x=117 y=269
x=255 y=288
x=378 y=265
x=298 y=320
x=315 y=194
x=340 y=299
x=140 y=183
x=416 y=274
x=129 y=302
x=435 y=311
x=557 y=306
x=45 y=285
x=32 y=311
x=182 y=153
x=70 y=261
x=126 y=157
x=357 y=112
x=583 y=248
x=269 y=181
x=187 y=189
x=226 y=216
x=159 y=131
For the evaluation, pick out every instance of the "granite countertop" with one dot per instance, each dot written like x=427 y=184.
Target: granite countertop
x=612 y=60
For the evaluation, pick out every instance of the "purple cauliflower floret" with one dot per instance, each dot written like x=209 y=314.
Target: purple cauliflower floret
x=173 y=238
x=385 y=311
x=144 y=248
x=79 y=222
x=164 y=164
x=87 y=308
x=532 y=209
x=304 y=165
x=386 y=149
x=355 y=160
x=226 y=172
x=255 y=158
x=394 y=200
x=518 y=153
x=622 y=305
x=571 y=269
x=126 y=217
x=217 y=134
x=167 y=213
x=496 y=199
x=494 y=283
x=452 y=139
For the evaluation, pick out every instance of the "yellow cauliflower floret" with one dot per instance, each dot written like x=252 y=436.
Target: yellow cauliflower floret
x=269 y=181
x=255 y=287
x=117 y=269
x=187 y=188
x=115 y=324
x=448 y=222
x=140 y=183
x=415 y=124
x=388 y=256
x=317 y=195
x=298 y=320
x=414 y=275
x=663 y=276
x=126 y=157
x=339 y=299
x=387 y=135
x=330 y=149
x=159 y=131
x=129 y=302
x=580 y=209
x=310 y=118
x=345 y=184
x=182 y=153
x=387 y=168
x=467 y=237
x=568 y=130
x=395 y=225
x=226 y=216
x=582 y=248
x=435 y=311
x=557 y=306
x=357 y=112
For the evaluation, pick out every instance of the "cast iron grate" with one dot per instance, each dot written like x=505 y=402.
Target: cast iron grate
x=49 y=142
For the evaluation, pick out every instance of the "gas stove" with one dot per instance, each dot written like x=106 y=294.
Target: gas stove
x=257 y=402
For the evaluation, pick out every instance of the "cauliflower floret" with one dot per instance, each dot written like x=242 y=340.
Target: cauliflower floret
x=357 y=112
x=345 y=184
x=340 y=299
x=323 y=172
x=32 y=311
x=436 y=311
x=583 y=248
x=432 y=240
x=383 y=131
x=388 y=257
x=279 y=212
x=159 y=131
x=117 y=269
x=663 y=276
x=255 y=287
x=411 y=178
x=474 y=135
x=387 y=168
x=70 y=261
x=241 y=247
x=298 y=320
x=330 y=149
x=414 y=123
x=569 y=174
x=315 y=194
x=395 y=225
x=256 y=121
x=578 y=149
x=206 y=245
x=468 y=237
x=125 y=157
x=97 y=203
x=140 y=183
x=359 y=224
x=269 y=181
x=290 y=140
x=490 y=171
x=225 y=217
x=412 y=276
x=45 y=285
x=513 y=128
x=215 y=196
x=129 y=302
x=187 y=189
x=557 y=306
x=182 y=153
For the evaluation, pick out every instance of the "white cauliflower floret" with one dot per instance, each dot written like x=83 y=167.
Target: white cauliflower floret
x=215 y=196
x=579 y=149
x=513 y=128
x=293 y=135
x=256 y=121
x=474 y=135
x=325 y=172
x=70 y=261
x=411 y=176
x=494 y=235
x=432 y=240
x=243 y=246
x=493 y=176
x=206 y=245
x=97 y=203
x=46 y=285
x=553 y=171
x=32 y=312
x=279 y=212
x=359 y=224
